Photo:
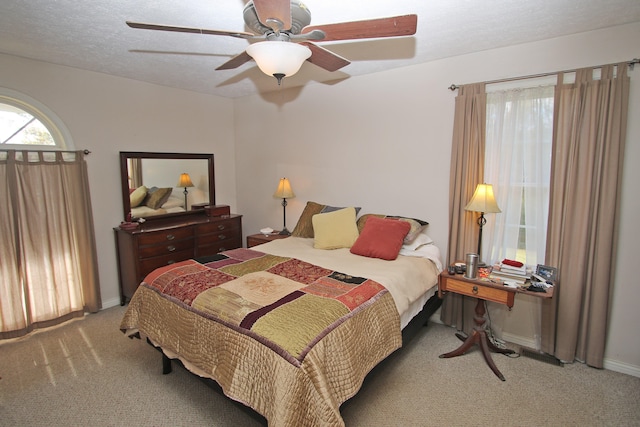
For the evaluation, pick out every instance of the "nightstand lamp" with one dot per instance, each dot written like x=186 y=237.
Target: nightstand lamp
x=284 y=192
x=185 y=181
x=484 y=202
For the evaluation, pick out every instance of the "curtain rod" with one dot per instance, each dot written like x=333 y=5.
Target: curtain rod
x=630 y=63
x=85 y=151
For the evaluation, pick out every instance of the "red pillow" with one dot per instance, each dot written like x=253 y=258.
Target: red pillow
x=381 y=238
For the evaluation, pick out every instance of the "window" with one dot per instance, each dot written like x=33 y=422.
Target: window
x=27 y=124
x=519 y=131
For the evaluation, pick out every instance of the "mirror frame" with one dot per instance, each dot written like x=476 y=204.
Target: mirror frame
x=124 y=178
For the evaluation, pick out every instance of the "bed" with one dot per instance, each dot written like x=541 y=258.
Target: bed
x=287 y=328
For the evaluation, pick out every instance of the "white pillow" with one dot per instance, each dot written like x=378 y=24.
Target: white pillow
x=421 y=240
x=428 y=251
x=174 y=202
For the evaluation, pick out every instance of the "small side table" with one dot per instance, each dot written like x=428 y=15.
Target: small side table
x=258 y=239
x=482 y=290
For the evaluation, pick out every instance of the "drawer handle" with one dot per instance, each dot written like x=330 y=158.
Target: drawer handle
x=170 y=262
x=221 y=227
x=475 y=290
x=221 y=237
x=170 y=237
x=171 y=248
x=222 y=249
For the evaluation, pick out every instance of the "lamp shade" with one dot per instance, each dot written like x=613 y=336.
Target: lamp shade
x=284 y=190
x=278 y=57
x=483 y=200
x=185 y=181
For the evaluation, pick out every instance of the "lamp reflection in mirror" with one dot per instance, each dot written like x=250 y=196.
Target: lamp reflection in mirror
x=279 y=58
x=185 y=181
x=483 y=201
x=284 y=192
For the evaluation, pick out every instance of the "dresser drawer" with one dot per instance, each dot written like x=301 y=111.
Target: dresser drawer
x=150 y=264
x=219 y=236
x=213 y=247
x=165 y=248
x=163 y=236
x=219 y=226
x=471 y=289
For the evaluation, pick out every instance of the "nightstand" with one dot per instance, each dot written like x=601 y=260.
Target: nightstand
x=483 y=290
x=258 y=239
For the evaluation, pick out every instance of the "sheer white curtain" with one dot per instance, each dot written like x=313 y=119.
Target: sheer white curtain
x=518 y=164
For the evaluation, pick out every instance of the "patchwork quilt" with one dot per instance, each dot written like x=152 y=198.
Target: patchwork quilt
x=288 y=338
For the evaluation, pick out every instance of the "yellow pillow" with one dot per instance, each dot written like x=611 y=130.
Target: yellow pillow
x=333 y=230
x=137 y=196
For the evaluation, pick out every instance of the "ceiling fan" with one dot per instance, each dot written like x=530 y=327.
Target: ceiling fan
x=286 y=40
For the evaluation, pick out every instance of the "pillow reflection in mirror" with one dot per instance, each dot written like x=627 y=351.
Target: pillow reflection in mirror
x=157 y=198
x=138 y=196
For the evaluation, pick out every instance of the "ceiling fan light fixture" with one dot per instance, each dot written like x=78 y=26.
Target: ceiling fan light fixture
x=278 y=58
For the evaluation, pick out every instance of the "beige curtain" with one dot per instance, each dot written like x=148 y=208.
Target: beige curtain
x=589 y=135
x=48 y=259
x=135 y=173
x=467 y=171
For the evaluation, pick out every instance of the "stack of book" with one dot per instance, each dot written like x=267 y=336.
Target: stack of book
x=510 y=273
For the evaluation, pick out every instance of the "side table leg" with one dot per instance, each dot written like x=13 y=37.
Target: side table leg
x=469 y=342
x=484 y=346
x=479 y=336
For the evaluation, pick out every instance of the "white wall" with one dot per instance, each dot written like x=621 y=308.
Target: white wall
x=106 y=115
x=383 y=142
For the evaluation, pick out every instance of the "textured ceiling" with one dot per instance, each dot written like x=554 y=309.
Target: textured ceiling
x=92 y=35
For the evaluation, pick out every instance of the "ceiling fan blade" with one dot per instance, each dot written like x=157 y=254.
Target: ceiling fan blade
x=237 y=34
x=235 y=62
x=324 y=58
x=268 y=10
x=395 y=26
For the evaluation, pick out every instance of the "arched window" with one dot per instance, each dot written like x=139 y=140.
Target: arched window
x=27 y=124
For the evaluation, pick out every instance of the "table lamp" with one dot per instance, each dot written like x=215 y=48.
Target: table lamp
x=482 y=201
x=284 y=192
x=185 y=181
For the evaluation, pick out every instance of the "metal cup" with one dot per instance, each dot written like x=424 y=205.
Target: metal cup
x=472 y=266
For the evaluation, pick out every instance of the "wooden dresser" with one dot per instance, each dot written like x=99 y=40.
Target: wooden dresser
x=165 y=241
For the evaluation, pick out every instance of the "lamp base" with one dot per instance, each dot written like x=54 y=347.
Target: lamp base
x=285 y=232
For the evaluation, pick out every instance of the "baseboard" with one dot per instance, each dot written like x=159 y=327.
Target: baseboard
x=519 y=340
x=110 y=303
x=609 y=364
x=623 y=368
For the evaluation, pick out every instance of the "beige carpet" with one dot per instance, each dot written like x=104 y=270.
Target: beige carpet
x=88 y=373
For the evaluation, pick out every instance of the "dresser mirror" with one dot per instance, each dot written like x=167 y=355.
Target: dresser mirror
x=154 y=184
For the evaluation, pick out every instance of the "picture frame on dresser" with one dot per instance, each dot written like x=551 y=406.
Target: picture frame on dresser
x=548 y=272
